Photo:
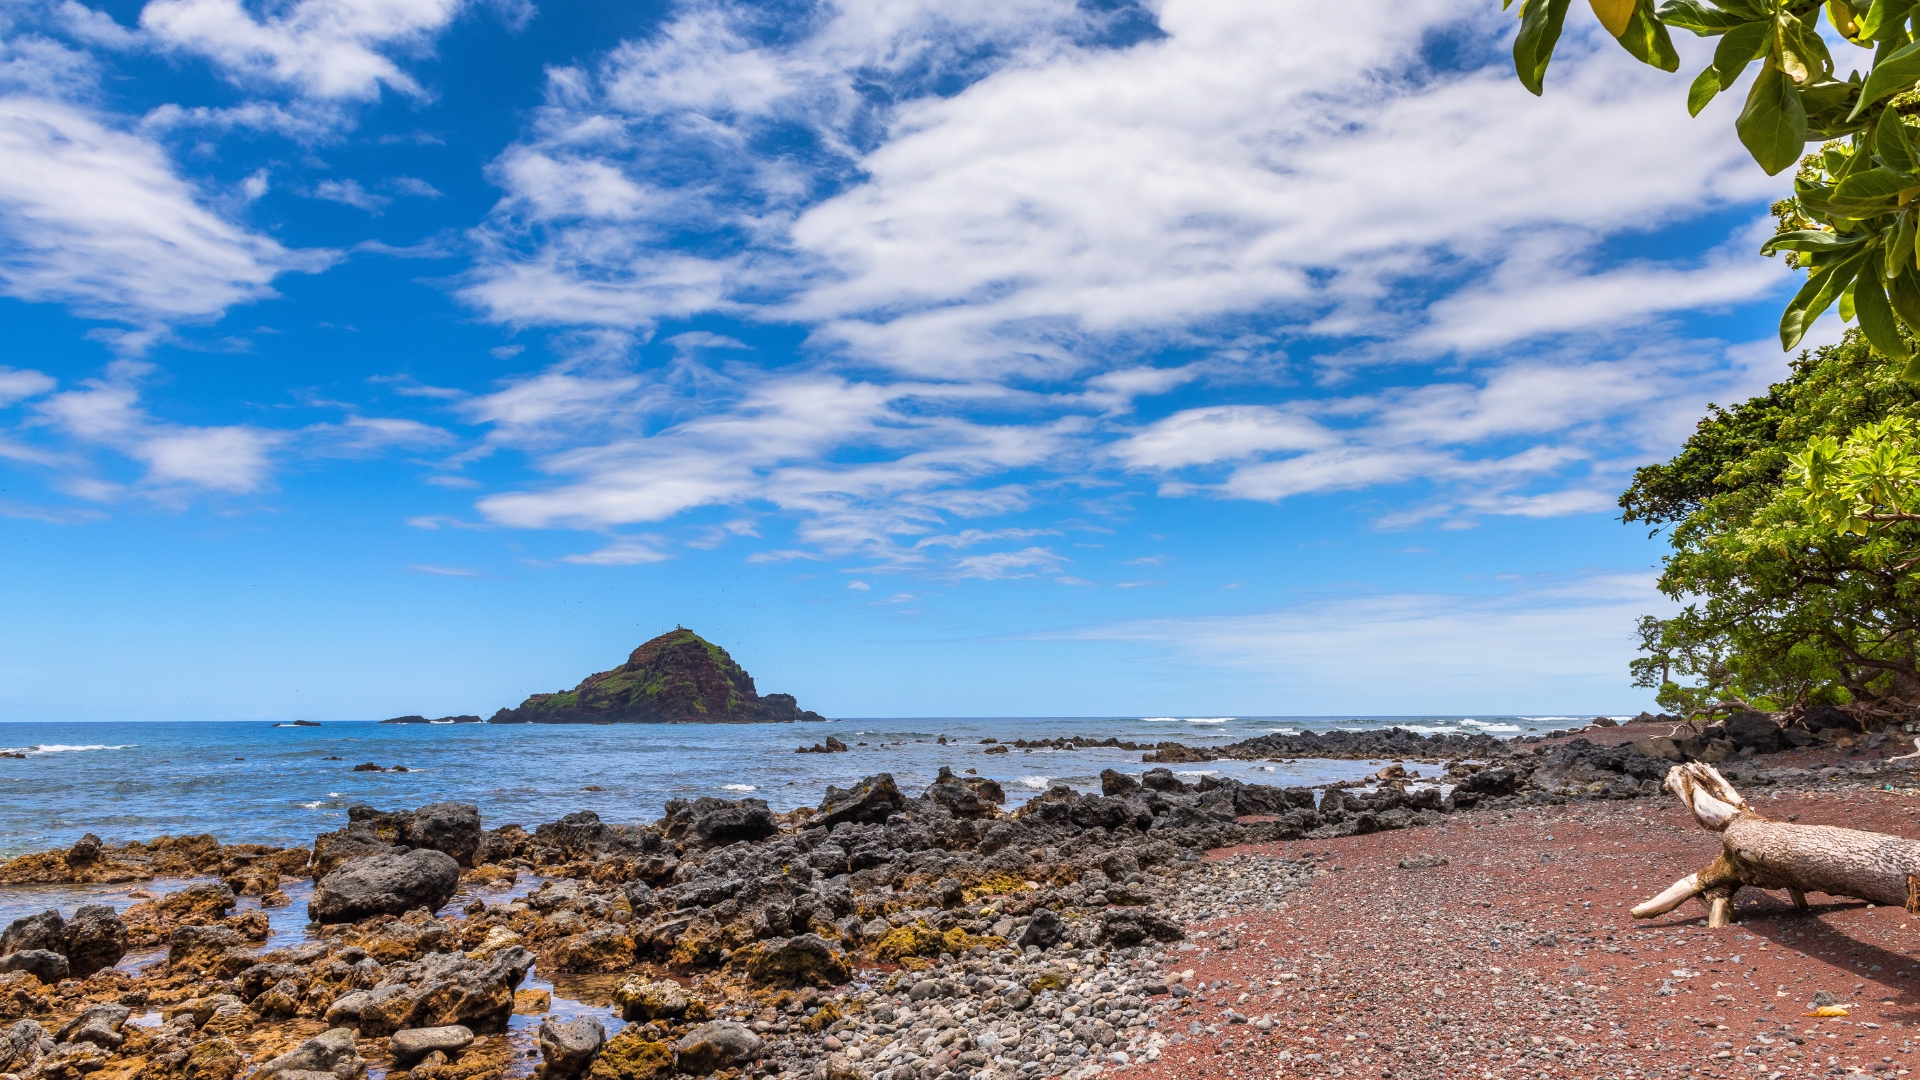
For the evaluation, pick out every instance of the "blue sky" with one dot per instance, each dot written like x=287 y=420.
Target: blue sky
x=366 y=357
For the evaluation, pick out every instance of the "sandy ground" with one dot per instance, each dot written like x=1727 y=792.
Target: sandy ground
x=1519 y=958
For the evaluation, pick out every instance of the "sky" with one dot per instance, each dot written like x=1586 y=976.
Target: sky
x=1188 y=357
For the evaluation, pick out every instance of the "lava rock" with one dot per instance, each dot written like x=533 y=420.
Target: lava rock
x=97 y=1024
x=569 y=1047
x=385 y=885
x=330 y=1053
x=801 y=960
x=1131 y=926
x=201 y=947
x=638 y=999
x=43 y=964
x=96 y=939
x=1045 y=930
x=871 y=801
x=708 y=822
x=47 y=931
x=450 y=828
x=718 y=1045
x=412 y=1044
x=1115 y=782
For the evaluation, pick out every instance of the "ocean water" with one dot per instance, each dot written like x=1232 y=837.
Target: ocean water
x=261 y=783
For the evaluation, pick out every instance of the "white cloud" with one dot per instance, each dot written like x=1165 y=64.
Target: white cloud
x=350 y=193
x=106 y=411
x=329 y=49
x=626 y=551
x=991 y=218
x=98 y=219
x=1547 y=644
x=1002 y=565
x=18 y=385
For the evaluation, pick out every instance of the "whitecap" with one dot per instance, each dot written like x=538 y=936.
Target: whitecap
x=335 y=795
x=1486 y=725
x=1198 y=772
x=1037 y=782
x=313 y=805
x=1213 y=720
x=738 y=787
x=61 y=748
x=1283 y=731
x=1159 y=719
x=1434 y=730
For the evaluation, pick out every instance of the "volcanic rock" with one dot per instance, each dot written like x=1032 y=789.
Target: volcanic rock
x=718 y=1045
x=675 y=678
x=385 y=885
x=412 y=1044
x=870 y=802
x=331 y=1053
x=43 y=964
x=569 y=1047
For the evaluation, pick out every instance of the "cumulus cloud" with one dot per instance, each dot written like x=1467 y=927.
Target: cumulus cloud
x=327 y=49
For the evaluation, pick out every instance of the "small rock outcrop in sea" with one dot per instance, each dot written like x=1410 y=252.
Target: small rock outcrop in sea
x=676 y=678
x=464 y=718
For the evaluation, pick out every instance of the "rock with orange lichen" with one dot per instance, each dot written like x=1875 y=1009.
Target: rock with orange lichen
x=603 y=949
x=23 y=995
x=390 y=939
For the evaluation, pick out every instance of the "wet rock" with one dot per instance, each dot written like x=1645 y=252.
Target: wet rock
x=568 y=1048
x=1131 y=926
x=719 y=1045
x=532 y=1002
x=1045 y=930
x=84 y=852
x=331 y=1053
x=1161 y=780
x=96 y=939
x=43 y=964
x=801 y=960
x=871 y=801
x=1114 y=782
x=412 y=1044
x=385 y=885
x=831 y=746
x=46 y=931
x=662 y=999
x=438 y=990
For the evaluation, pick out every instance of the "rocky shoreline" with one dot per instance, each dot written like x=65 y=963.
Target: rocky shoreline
x=876 y=935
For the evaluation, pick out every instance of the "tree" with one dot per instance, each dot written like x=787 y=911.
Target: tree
x=1852 y=220
x=1783 y=606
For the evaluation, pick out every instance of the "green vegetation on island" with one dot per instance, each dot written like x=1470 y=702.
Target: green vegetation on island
x=676 y=678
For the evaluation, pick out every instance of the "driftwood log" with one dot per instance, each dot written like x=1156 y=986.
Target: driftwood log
x=1767 y=854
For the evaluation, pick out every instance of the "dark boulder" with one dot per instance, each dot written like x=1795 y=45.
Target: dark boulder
x=43 y=964
x=1115 y=782
x=47 y=931
x=1492 y=783
x=96 y=1024
x=1756 y=731
x=871 y=801
x=330 y=1053
x=801 y=960
x=412 y=1044
x=96 y=938
x=1045 y=930
x=451 y=828
x=1161 y=780
x=1131 y=926
x=385 y=885
x=709 y=822
x=1822 y=717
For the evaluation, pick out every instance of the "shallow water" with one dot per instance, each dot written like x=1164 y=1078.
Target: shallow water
x=261 y=783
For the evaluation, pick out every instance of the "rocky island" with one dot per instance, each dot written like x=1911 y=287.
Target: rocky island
x=677 y=678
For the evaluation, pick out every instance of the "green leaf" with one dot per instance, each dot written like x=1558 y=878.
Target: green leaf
x=1846 y=301
x=1876 y=318
x=1699 y=18
x=1815 y=297
x=1810 y=240
x=1873 y=190
x=1890 y=76
x=1884 y=18
x=1646 y=38
x=1540 y=22
x=1741 y=46
x=1614 y=14
x=1900 y=252
x=1903 y=294
x=1773 y=126
x=1705 y=86
x=1894 y=144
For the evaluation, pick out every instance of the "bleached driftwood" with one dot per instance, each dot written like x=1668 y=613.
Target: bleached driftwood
x=1768 y=854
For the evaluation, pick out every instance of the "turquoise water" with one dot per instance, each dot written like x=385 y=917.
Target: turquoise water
x=256 y=782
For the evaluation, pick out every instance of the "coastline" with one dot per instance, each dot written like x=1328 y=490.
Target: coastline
x=940 y=935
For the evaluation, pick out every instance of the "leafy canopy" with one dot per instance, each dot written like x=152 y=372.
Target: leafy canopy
x=1782 y=606
x=1851 y=223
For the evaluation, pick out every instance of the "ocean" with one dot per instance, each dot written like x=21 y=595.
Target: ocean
x=261 y=783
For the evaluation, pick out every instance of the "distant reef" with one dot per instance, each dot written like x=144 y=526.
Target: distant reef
x=677 y=678
x=468 y=718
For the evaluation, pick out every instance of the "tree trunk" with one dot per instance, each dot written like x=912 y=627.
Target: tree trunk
x=1768 y=854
